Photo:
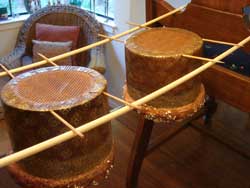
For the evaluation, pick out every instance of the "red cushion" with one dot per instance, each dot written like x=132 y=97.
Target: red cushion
x=56 y=33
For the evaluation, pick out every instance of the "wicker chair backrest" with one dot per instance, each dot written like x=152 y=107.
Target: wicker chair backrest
x=63 y=15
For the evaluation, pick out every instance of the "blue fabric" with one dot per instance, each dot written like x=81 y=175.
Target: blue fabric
x=239 y=61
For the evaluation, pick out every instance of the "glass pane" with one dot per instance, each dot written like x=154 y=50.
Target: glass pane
x=18 y=7
x=111 y=9
x=5 y=3
x=100 y=7
x=86 y=4
x=104 y=7
x=44 y=3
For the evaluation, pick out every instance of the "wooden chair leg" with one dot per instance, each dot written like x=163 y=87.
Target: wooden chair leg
x=248 y=122
x=139 y=148
x=211 y=107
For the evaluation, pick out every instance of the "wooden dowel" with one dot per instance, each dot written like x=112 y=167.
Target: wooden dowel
x=106 y=118
x=162 y=16
x=138 y=25
x=67 y=124
x=201 y=58
x=122 y=101
x=7 y=71
x=110 y=38
x=85 y=48
x=219 y=11
x=47 y=59
x=221 y=42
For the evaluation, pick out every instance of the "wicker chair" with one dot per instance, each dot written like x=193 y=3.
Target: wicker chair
x=59 y=15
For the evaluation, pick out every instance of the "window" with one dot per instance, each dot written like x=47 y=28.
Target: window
x=14 y=7
x=100 y=7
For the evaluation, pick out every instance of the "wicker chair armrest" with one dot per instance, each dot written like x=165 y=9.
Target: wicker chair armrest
x=14 y=58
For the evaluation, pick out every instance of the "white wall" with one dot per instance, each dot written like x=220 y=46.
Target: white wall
x=128 y=10
x=8 y=36
x=115 y=51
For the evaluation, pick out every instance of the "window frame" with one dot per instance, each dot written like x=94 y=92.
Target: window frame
x=12 y=14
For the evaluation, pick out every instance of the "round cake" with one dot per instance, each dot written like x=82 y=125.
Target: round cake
x=154 y=59
x=75 y=93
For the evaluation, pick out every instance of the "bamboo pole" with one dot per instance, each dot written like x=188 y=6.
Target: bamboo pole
x=201 y=58
x=85 y=48
x=67 y=124
x=221 y=42
x=135 y=24
x=47 y=59
x=111 y=38
x=122 y=101
x=7 y=71
x=93 y=124
x=219 y=11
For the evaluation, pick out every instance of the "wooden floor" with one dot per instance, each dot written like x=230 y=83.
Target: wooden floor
x=190 y=159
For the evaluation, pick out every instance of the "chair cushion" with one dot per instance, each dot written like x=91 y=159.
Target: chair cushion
x=56 y=33
x=51 y=49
